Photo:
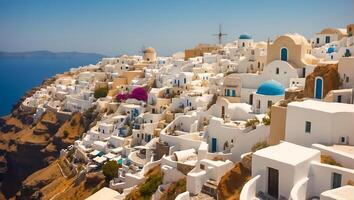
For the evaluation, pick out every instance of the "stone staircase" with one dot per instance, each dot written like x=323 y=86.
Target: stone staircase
x=210 y=188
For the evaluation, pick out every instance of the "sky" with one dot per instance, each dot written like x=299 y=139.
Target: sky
x=115 y=27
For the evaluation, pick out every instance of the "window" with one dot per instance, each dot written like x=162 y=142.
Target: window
x=339 y=98
x=227 y=92
x=138 y=135
x=308 y=127
x=328 y=39
x=185 y=80
x=347 y=79
x=318 y=40
x=258 y=104
x=284 y=54
x=270 y=103
x=336 y=180
x=277 y=71
x=243 y=44
x=202 y=167
x=342 y=140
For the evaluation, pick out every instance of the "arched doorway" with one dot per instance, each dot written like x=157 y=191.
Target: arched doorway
x=318 y=87
x=284 y=54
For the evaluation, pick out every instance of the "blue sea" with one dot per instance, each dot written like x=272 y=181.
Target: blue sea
x=18 y=75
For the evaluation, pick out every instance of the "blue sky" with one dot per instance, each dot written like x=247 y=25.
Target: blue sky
x=115 y=27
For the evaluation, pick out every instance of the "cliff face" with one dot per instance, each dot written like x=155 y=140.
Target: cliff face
x=50 y=183
x=27 y=146
x=331 y=79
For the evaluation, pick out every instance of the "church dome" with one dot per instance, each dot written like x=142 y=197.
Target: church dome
x=149 y=50
x=271 y=88
x=245 y=37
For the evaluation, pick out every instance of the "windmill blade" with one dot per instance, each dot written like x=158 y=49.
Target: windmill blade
x=142 y=49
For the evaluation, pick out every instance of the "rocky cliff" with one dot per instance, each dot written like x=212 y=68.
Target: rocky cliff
x=27 y=146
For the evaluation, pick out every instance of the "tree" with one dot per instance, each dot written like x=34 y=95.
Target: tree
x=110 y=169
x=66 y=133
x=101 y=92
x=139 y=93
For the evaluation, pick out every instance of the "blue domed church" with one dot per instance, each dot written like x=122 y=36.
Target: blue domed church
x=268 y=93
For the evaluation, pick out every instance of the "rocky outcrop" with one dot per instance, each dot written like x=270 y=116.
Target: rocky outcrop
x=331 y=79
x=29 y=147
x=51 y=183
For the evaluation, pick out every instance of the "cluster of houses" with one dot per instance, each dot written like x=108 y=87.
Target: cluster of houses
x=197 y=116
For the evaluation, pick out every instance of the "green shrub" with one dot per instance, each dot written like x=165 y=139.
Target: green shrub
x=329 y=160
x=259 y=146
x=266 y=119
x=150 y=186
x=101 y=92
x=66 y=133
x=110 y=169
x=252 y=122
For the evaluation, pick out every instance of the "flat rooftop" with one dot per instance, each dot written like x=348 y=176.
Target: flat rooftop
x=288 y=153
x=330 y=107
x=104 y=193
x=339 y=193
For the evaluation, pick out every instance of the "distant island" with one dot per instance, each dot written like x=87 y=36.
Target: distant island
x=49 y=54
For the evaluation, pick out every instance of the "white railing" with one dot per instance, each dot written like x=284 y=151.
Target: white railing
x=298 y=192
x=249 y=189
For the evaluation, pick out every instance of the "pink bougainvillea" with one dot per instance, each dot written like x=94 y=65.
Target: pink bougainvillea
x=139 y=94
x=121 y=97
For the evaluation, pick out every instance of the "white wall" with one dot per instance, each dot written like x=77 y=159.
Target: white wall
x=326 y=128
x=321 y=177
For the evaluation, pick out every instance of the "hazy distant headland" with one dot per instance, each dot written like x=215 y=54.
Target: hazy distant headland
x=48 y=54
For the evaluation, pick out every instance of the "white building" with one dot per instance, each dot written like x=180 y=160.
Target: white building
x=289 y=171
x=267 y=94
x=313 y=121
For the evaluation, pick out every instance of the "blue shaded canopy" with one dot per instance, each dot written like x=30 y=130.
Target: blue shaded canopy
x=331 y=49
x=272 y=88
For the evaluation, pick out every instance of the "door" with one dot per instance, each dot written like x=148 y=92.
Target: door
x=213 y=145
x=304 y=72
x=318 y=89
x=273 y=182
x=222 y=111
x=284 y=54
x=233 y=93
x=251 y=99
x=336 y=180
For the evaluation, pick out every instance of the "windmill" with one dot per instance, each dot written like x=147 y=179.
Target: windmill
x=142 y=50
x=220 y=35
